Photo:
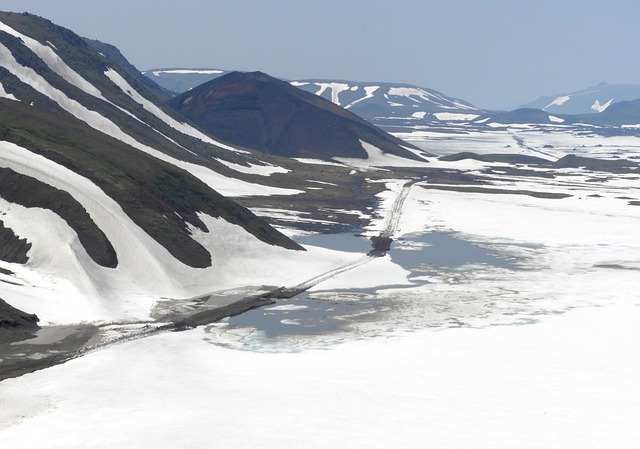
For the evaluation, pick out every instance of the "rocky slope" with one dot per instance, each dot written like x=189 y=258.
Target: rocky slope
x=107 y=195
x=15 y=324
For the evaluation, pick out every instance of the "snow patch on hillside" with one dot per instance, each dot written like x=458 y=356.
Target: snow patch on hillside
x=418 y=95
x=306 y=160
x=55 y=63
x=92 y=118
x=559 y=101
x=335 y=88
x=452 y=116
x=226 y=186
x=253 y=169
x=4 y=94
x=59 y=266
x=151 y=107
x=378 y=159
x=601 y=108
x=369 y=91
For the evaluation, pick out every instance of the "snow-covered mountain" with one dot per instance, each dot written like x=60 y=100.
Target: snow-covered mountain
x=379 y=103
x=389 y=103
x=109 y=200
x=586 y=101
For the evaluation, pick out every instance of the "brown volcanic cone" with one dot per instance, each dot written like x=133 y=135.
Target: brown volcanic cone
x=259 y=112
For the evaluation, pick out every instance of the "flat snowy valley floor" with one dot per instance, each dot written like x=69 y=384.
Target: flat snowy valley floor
x=539 y=352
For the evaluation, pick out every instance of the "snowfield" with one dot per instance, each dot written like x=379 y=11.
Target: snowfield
x=537 y=354
x=567 y=382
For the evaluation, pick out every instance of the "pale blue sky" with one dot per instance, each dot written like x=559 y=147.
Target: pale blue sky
x=493 y=53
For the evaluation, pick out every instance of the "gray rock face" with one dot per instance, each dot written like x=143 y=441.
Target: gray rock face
x=16 y=324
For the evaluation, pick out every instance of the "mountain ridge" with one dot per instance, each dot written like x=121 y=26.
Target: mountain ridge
x=260 y=112
x=106 y=193
x=593 y=99
x=381 y=103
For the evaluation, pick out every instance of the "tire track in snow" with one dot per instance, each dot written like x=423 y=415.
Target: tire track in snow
x=393 y=220
x=521 y=143
x=380 y=244
x=332 y=273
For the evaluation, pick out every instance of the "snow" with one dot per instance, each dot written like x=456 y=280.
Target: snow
x=454 y=116
x=287 y=307
x=559 y=101
x=253 y=169
x=312 y=161
x=4 y=94
x=416 y=94
x=184 y=128
x=368 y=91
x=555 y=119
x=567 y=382
x=409 y=92
x=58 y=66
x=419 y=114
x=287 y=216
x=59 y=268
x=378 y=158
x=92 y=118
x=335 y=88
x=232 y=187
x=601 y=108
x=54 y=62
x=224 y=185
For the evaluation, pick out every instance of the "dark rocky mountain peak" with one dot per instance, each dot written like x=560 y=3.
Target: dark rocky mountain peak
x=257 y=111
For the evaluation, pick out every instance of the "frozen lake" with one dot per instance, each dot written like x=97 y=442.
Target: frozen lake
x=322 y=312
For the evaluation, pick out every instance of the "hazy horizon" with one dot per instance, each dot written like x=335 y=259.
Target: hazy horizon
x=495 y=54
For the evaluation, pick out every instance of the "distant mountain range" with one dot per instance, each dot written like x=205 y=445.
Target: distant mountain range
x=622 y=115
x=393 y=104
x=180 y=80
x=586 y=101
x=378 y=103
